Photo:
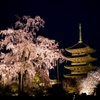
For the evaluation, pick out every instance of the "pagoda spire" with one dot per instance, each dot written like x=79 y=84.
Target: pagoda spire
x=80 y=34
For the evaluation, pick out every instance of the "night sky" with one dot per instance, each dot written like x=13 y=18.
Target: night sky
x=62 y=18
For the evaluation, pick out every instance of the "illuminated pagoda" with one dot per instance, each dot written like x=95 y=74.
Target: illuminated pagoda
x=80 y=59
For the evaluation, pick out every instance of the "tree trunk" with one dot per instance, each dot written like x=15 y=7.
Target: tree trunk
x=20 y=83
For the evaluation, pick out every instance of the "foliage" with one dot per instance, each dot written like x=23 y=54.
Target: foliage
x=14 y=87
x=36 y=79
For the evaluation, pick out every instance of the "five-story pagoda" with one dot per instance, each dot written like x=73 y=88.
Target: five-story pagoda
x=80 y=59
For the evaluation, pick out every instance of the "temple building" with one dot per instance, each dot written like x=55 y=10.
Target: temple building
x=80 y=59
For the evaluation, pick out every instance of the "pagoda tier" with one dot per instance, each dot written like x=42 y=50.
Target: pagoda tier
x=75 y=76
x=80 y=69
x=80 y=49
x=80 y=59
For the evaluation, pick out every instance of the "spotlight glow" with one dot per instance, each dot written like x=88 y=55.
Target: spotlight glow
x=89 y=84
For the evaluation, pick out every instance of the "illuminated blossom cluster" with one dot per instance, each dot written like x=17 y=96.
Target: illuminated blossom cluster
x=89 y=84
x=21 y=50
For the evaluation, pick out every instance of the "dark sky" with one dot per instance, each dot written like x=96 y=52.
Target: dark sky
x=62 y=18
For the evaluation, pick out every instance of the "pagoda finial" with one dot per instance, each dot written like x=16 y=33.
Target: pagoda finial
x=80 y=34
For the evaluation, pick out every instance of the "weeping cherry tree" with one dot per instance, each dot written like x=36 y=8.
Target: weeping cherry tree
x=22 y=51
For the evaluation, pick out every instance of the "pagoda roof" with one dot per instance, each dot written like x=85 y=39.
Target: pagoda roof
x=77 y=56
x=87 y=66
x=80 y=47
x=79 y=65
x=75 y=75
x=83 y=58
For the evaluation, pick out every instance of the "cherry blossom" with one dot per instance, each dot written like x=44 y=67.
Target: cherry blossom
x=21 y=51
